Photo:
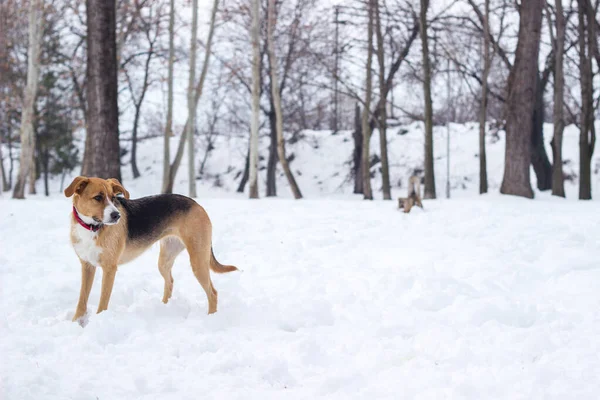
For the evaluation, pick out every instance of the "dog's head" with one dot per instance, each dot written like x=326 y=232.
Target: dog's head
x=94 y=198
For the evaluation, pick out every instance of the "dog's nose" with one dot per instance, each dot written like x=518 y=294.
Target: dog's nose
x=115 y=215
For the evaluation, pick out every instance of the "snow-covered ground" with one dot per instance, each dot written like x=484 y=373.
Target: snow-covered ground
x=476 y=297
x=491 y=297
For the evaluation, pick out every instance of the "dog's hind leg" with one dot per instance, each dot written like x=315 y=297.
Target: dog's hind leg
x=170 y=247
x=200 y=260
x=201 y=268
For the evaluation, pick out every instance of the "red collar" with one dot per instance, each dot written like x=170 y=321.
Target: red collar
x=93 y=228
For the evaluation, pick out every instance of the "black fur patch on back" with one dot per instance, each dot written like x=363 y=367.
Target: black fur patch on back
x=148 y=217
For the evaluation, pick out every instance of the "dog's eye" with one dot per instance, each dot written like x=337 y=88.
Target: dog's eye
x=98 y=198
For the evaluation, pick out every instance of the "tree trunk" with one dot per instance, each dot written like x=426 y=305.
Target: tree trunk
x=429 y=190
x=3 y=171
x=558 y=187
x=385 y=168
x=272 y=162
x=255 y=38
x=169 y=123
x=134 y=167
x=357 y=155
x=483 y=184
x=366 y=129
x=103 y=152
x=539 y=157
x=521 y=101
x=246 y=173
x=34 y=167
x=191 y=104
x=198 y=93
x=271 y=21
x=45 y=162
x=587 y=136
x=11 y=164
x=86 y=162
x=138 y=108
x=28 y=114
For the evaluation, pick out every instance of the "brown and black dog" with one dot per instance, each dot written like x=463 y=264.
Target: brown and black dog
x=108 y=229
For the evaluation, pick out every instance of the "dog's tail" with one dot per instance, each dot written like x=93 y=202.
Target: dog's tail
x=217 y=266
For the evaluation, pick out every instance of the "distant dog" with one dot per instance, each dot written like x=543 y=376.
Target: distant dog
x=109 y=229
x=414 y=195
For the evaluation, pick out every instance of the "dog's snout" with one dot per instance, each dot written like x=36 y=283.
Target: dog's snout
x=115 y=215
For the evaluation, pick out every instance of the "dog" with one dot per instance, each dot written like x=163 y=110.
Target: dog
x=109 y=229
x=414 y=195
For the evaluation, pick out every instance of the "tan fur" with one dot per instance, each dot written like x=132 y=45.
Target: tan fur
x=191 y=230
x=414 y=195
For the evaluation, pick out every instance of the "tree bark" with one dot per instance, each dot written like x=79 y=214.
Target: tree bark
x=11 y=164
x=134 y=168
x=539 y=157
x=429 y=190
x=357 y=155
x=366 y=129
x=191 y=104
x=587 y=136
x=45 y=167
x=169 y=123
x=138 y=107
x=28 y=113
x=483 y=184
x=255 y=38
x=198 y=93
x=385 y=168
x=271 y=21
x=558 y=187
x=246 y=173
x=521 y=101
x=3 y=172
x=103 y=151
x=271 y=190
x=34 y=167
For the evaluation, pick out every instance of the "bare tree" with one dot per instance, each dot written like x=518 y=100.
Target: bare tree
x=587 y=136
x=429 y=190
x=558 y=46
x=151 y=31
x=271 y=21
x=483 y=184
x=169 y=123
x=3 y=172
x=385 y=168
x=191 y=104
x=255 y=38
x=520 y=102
x=366 y=129
x=357 y=154
x=197 y=93
x=28 y=113
x=103 y=153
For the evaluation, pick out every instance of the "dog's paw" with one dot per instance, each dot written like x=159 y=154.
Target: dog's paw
x=83 y=320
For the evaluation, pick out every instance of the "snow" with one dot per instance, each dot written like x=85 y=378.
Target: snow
x=491 y=297
x=322 y=162
x=475 y=297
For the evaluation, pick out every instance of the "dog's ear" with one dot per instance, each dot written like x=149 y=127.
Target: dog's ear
x=77 y=185
x=117 y=187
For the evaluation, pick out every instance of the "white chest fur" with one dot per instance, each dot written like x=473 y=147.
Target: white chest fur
x=84 y=243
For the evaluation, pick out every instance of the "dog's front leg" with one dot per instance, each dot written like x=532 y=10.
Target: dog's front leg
x=87 y=280
x=108 y=278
